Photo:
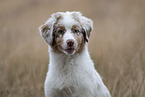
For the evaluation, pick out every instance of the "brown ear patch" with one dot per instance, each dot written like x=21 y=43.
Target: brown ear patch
x=45 y=32
x=45 y=29
x=85 y=35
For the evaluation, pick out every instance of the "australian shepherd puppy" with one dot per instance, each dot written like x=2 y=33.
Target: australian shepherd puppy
x=71 y=71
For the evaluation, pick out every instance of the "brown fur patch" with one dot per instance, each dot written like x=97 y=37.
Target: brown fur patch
x=79 y=38
x=81 y=43
x=57 y=38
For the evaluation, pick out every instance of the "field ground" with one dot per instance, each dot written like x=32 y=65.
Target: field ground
x=116 y=45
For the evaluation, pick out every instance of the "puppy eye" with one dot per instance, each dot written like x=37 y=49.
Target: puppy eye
x=60 y=31
x=76 y=31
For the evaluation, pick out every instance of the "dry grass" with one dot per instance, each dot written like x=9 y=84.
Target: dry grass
x=117 y=44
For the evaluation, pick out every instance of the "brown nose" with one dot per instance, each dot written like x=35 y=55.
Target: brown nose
x=70 y=42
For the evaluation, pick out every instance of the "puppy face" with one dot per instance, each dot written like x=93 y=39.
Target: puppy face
x=67 y=32
x=67 y=38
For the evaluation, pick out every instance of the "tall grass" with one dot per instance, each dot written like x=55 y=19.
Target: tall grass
x=116 y=45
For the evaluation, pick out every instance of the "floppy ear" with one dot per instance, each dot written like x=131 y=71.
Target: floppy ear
x=46 y=30
x=46 y=33
x=87 y=25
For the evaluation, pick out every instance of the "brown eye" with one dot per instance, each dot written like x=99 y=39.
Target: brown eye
x=60 y=31
x=76 y=31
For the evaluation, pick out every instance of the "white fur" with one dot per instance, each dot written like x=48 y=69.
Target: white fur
x=72 y=75
x=73 y=71
x=68 y=22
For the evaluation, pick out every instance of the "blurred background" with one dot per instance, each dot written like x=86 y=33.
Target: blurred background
x=116 y=45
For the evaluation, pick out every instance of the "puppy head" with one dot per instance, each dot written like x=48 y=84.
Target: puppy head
x=67 y=32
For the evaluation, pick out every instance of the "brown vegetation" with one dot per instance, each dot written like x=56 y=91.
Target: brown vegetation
x=117 y=44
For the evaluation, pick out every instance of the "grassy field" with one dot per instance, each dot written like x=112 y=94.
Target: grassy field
x=116 y=45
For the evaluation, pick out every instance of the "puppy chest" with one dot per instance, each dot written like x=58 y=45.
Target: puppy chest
x=75 y=80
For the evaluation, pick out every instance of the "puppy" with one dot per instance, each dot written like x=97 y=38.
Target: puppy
x=71 y=71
